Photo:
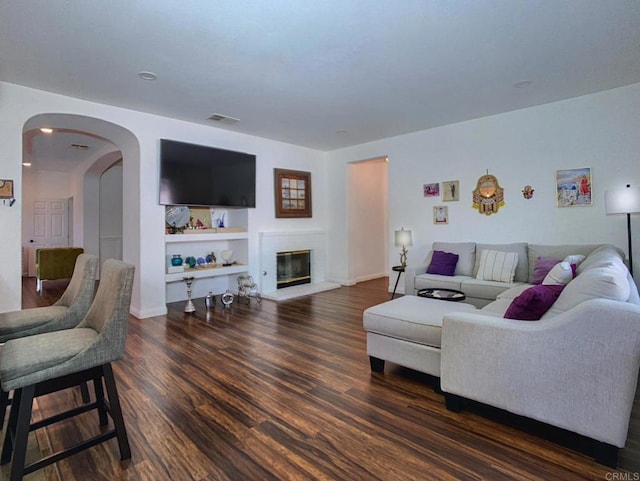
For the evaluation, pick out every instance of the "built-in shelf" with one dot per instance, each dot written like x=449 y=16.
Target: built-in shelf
x=216 y=279
x=169 y=238
x=202 y=272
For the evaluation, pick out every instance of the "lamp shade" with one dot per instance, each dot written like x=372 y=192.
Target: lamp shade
x=403 y=238
x=622 y=201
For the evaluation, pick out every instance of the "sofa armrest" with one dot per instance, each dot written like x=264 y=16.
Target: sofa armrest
x=577 y=370
x=410 y=273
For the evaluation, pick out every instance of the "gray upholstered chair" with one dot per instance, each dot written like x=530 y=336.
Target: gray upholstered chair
x=66 y=313
x=45 y=363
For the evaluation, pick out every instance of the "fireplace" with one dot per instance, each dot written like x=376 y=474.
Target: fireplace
x=293 y=268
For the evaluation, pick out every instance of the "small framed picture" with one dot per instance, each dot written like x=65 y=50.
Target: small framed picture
x=431 y=190
x=450 y=190
x=441 y=214
x=6 y=189
x=573 y=187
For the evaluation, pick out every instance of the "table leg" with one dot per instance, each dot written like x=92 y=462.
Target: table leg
x=396 y=286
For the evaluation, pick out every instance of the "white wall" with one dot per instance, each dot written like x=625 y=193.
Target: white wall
x=143 y=223
x=367 y=225
x=111 y=214
x=601 y=131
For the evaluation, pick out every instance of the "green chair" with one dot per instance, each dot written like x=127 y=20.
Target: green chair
x=45 y=363
x=55 y=263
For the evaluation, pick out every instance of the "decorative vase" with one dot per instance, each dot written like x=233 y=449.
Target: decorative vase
x=176 y=260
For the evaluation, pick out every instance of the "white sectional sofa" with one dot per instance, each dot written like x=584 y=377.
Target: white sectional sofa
x=576 y=368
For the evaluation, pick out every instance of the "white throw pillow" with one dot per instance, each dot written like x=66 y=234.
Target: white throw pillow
x=560 y=275
x=574 y=259
x=497 y=266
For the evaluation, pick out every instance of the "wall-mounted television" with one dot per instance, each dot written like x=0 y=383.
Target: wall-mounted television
x=199 y=175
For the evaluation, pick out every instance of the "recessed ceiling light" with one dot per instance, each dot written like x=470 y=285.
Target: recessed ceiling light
x=522 y=84
x=147 y=76
x=26 y=164
x=46 y=130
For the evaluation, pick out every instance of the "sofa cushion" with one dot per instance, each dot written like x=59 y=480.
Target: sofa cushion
x=561 y=274
x=522 y=269
x=606 y=282
x=497 y=266
x=436 y=281
x=411 y=318
x=555 y=252
x=443 y=263
x=466 y=255
x=513 y=292
x=481 y=289
x=542 y=268
x=533 y=302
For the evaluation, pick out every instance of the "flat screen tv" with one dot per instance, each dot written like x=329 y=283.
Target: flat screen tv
x=206 y=176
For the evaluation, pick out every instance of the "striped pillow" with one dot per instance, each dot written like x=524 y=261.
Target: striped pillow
x=497 y=266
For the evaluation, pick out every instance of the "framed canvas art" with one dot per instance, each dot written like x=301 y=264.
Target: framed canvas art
x=431 y=190
x=573 y=187
x=450 y=190
x=440 y=214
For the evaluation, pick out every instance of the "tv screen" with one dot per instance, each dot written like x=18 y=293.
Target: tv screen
x=206 y=176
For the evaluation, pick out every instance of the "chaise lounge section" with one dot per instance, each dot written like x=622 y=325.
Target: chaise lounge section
x=575 y=368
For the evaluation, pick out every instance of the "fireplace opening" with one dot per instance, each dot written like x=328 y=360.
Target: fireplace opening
x=294 y=268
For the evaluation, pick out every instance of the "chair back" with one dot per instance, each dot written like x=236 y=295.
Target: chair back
x=109 y=312
x=79 y=293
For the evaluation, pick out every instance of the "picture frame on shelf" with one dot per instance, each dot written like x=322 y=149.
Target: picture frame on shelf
x=292 y=192
x=574 y=188
x=431 y=190
x=440 y=214
x=450 y=190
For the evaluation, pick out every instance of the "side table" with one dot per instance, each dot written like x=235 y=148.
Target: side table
x=399 y=270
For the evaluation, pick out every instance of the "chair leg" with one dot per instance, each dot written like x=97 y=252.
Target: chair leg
x=7 y=445
x=116 y=412
x=84 y=392
x=23 y=421
x=102 y=408
x=4 y=403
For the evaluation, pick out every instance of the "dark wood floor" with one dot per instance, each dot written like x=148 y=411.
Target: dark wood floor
x=283 y=391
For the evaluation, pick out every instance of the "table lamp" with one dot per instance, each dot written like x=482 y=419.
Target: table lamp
x=403 y=239
x=624 y=201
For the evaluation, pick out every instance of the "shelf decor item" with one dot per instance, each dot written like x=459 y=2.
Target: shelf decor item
x=176 y=260
x=226 y=255
x=292 y=193
x=189 y=307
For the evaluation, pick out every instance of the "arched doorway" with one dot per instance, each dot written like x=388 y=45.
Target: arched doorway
x=89 y=162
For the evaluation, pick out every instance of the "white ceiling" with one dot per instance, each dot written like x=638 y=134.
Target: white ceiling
x=300 y=71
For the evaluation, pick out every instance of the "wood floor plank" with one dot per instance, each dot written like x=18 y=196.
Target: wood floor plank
x=283 y=391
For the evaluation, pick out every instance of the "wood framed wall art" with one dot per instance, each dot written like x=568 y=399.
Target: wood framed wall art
x=6 y=189
x=292 y=193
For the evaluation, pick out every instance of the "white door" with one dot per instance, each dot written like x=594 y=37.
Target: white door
x=50 y=221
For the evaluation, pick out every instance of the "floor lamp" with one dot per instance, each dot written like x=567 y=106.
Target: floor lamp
x=624 y=201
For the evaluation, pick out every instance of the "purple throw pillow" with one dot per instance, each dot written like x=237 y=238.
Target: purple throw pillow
x=533 y=302
x=542 y=268
x=443 y=263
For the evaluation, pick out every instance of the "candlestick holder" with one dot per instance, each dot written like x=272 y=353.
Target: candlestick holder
x=189 y=307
